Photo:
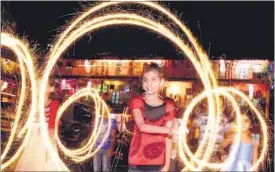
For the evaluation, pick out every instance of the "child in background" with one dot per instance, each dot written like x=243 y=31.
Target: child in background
x=104 y=154
x=247 y=152
x=201 y=121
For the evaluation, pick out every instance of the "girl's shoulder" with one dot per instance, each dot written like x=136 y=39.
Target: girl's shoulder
x=170 y=104
x=136 y=103
x=137 y=99
x=250 y=141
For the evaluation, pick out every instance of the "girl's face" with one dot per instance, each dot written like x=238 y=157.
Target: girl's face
x=151 y=82
x=246 y=124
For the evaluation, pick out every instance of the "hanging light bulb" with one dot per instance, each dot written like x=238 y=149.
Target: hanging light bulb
x=63 y=84
x=174 y=89
x=4 y=86
x=251 y=90
x=159 y=63
x=87 y=66
x=89 y=84
x=86 y=63
x=222 y=66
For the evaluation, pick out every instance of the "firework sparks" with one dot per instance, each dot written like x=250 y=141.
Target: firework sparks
x=125 y=117
x=225 y=92
x=87 y=151
x=25 y=58
x=132 y=19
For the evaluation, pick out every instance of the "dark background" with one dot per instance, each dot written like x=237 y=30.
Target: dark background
x=240 y=30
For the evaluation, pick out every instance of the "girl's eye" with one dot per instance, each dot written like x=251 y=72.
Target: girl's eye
x=154 y=79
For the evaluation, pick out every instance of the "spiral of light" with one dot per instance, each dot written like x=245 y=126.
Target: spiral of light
x=25 y=58
x=89 y=149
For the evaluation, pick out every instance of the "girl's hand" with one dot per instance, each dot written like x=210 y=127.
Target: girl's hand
x=176 y=130
x=111 y=152
x=223 y=157
x=165 y=168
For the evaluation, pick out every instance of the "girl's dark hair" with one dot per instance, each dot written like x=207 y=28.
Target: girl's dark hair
x=154 y=67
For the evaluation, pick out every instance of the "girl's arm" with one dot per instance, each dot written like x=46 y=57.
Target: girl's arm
x=224 y=144
x=255 y=152
x=147 y=128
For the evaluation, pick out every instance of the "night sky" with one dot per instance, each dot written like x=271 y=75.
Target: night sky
x=240 y=30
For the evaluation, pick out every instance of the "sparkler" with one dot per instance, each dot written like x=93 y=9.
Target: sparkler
x=85 y=152
x=225 y=92
x=133 y=20
x=125 y=117
x=25 y=58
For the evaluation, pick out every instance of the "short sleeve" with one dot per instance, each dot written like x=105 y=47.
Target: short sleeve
x=171 y=110
x=136 y=103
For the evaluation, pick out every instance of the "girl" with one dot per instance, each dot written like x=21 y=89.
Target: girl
x=151 y=145
x=247 y=152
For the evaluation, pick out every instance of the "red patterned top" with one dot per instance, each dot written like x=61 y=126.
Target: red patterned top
x=146 y=148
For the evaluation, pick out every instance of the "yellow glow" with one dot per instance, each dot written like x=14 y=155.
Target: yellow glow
x=124 y=118
x=174 y=89
x=114 y=82
x=87 y=66
x=86 y=63
x=4 y=86
x=24 y=56
x=87 y=151
x=89 y=84
x=251 y=90
x=222 y=66
x=183 y=147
